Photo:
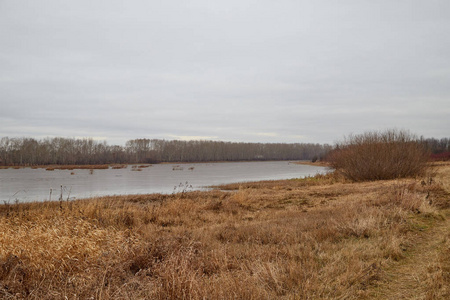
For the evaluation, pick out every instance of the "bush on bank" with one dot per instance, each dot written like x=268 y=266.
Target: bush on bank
x=379 y=156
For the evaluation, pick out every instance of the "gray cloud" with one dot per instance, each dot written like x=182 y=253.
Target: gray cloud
x=268 y=71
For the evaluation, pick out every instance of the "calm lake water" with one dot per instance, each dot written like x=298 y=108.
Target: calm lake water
x=28 y=184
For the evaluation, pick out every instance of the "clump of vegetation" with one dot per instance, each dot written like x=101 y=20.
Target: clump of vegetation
x=119 y=166
x=379 y=156
x=73 y=167
x=443 y=156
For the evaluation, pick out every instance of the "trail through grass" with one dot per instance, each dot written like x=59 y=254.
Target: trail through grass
x=425 y=271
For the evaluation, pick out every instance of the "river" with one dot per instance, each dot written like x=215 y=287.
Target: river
x=26 y=184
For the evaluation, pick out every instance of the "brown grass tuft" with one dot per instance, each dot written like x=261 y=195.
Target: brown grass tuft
x=123 y=166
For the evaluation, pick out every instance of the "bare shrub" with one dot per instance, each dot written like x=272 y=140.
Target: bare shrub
x=379 y=156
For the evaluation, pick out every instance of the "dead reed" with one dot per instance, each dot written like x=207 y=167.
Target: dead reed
x=75 y=167
x=122 y=166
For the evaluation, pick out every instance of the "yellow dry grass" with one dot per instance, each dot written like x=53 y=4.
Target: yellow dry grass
x=312 y=238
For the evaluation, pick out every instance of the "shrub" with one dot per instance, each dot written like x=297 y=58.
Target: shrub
x=443 y=156
x=379 y=155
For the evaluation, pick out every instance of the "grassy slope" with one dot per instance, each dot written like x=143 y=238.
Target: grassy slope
x=307 y=239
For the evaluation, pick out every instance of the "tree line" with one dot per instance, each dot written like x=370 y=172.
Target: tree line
x=86 y=151
x=439 y=148
x=436 y=146
x=72 y=151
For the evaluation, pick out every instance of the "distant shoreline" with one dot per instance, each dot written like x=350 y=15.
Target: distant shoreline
x=124 y=165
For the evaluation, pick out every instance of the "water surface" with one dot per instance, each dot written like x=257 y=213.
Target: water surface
x=28 y=184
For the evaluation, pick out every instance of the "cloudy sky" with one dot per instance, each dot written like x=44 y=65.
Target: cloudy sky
x=250 y=71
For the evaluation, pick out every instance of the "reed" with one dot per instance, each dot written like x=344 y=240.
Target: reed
x=121 y=166
x=75 y=167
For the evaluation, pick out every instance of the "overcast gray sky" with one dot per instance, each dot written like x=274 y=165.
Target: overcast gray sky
x=251 y=71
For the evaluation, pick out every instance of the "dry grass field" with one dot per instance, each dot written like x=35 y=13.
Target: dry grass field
x=314 y=238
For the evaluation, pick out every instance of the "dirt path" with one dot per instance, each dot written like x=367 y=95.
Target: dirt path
x=425 y=272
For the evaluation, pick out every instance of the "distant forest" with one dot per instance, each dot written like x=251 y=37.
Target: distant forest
x=440 y=149
x=71 y=151
x=86 y=151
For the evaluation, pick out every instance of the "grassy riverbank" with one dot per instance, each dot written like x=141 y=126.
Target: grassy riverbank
x=312 y=238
